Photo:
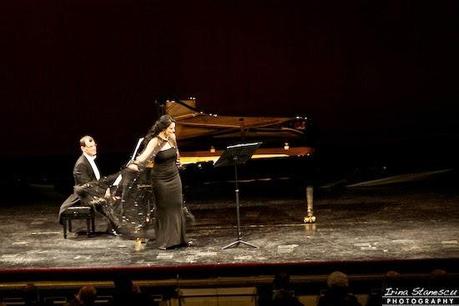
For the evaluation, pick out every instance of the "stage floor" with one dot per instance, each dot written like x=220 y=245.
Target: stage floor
x=387 y=224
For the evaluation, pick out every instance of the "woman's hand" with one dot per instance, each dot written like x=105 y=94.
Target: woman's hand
x=133 y=166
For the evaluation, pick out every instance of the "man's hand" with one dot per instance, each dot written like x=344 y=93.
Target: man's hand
x=107 y=193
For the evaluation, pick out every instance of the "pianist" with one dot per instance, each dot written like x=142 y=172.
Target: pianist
x=89 y=187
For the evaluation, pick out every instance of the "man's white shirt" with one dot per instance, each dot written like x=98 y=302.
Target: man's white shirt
x=93 y=165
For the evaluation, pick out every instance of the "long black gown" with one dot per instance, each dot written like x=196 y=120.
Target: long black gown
x=167 y=188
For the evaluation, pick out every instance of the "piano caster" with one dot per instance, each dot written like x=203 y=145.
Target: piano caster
x=310 y=219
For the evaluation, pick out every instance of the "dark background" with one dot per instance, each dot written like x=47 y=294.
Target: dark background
x=378 y=78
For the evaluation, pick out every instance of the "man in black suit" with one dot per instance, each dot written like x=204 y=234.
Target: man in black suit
x=84 y=172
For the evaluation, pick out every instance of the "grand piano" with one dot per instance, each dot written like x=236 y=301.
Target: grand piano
x=284 y=160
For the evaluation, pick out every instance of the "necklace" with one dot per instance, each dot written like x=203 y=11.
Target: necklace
x=163 y=137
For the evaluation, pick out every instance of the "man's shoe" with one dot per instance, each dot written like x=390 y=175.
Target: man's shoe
x=112 y=232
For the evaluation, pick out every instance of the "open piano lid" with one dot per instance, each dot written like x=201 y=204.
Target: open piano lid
x=203 y=136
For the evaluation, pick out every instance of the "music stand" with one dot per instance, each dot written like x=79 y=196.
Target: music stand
x=233 y=156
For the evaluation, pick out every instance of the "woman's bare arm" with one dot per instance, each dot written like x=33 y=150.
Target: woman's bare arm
x=145 y=155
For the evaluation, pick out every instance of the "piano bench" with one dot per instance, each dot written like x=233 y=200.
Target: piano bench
x=79 y=212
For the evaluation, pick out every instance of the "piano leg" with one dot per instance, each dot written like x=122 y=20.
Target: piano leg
x=310 y=218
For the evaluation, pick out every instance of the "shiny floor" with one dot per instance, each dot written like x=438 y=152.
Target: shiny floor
x=380 y=224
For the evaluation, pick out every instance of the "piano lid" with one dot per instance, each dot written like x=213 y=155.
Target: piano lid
x=194 y=123
x=203 y=136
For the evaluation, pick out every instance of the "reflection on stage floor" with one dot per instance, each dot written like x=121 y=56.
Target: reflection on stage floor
x=386 y=224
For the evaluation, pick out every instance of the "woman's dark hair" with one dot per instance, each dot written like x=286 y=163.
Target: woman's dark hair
x=160 y=125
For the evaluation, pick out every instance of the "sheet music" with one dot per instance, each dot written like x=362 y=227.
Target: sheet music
x=237 y=154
